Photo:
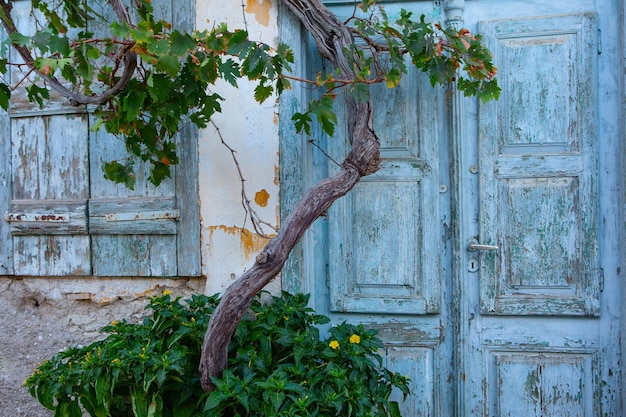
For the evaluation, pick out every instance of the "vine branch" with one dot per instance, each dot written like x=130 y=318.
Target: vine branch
x=129 y=58
x=256 y=220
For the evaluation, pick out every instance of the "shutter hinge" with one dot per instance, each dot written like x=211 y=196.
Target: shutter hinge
x=143 y=215
x=599 y=41
x=37 y=217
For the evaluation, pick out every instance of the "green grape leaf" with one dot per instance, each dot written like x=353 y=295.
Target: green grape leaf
x=60 y=44
x=262 y=92
x=168 y=64
x=132 y=104
x=37 y=94
x=159 y=172
x=5 y=95
x=229 y=71
x=181 y=44
x=19 y=39
x=302 y=122
x=323 y=109
x=119 y=174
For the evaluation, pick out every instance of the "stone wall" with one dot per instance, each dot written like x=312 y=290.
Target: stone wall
x=40 y=317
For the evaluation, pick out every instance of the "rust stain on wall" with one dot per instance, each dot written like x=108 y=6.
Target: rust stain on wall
x=262 y=197
x=260 y=9
x=251 y=243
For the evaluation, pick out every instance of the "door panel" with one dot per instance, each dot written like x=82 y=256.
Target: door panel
x=388 y=215
x=541 y=383
x=537 y=155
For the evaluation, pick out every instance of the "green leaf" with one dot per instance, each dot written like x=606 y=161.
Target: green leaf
x=141 y=35
x=181 y=44
x=120 y=174
x=121 y=30
x=254 y=64
x=276 y=398
x=360 y=92
x=229 y=71
x=168 y=64
x=238 y=44
x=262 y=92
x=158 y=46
x=302 y=122
x=138 y=401
x=93 y=53
x=103 y=387
x=41 y=40
x=159 y=172
x=392 y=78
x=19 y=39
x=5 y=95
x=132 y=104
x=394 y=409
x=159 y=86
x=37 y=94
x=68 y=409
x=489 y=90
x=215 y=400
x=323 y=109
x=60 y=44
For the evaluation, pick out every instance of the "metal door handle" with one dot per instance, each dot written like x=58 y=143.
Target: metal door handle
x=474 y=246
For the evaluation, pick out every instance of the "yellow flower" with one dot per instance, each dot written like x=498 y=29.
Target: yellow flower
x=355 y=338
x=167 y=292
x=334 y=344
x=114 y=322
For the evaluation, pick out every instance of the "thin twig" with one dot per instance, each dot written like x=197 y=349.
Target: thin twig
x=257 y=222
x=312 y=142
x=243 y=12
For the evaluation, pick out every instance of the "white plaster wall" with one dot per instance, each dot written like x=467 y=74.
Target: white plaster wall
x=229 y=243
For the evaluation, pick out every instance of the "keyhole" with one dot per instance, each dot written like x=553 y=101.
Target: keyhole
x=472 y=265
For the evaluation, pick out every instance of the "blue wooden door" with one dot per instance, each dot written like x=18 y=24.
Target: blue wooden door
x=484 y=250
x=537 y=328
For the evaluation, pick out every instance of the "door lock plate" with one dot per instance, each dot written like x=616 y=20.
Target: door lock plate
x=472 y=265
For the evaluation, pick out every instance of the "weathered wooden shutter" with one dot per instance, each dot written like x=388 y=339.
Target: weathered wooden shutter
x=538 y=151
x=6 y=243
x=66 y=219
x=384 y=255
x=48 y=209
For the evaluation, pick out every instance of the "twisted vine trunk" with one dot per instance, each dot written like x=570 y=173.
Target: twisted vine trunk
x=332 y=38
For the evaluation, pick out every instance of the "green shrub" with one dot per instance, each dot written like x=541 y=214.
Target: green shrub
x=278 y=366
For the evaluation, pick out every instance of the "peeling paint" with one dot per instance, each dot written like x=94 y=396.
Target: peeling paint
x=276 y=174
x=251 y=243
x=262 y=197
x=260 y=9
